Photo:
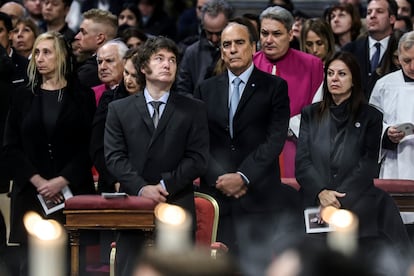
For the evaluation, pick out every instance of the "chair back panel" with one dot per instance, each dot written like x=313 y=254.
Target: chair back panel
x=207 y=213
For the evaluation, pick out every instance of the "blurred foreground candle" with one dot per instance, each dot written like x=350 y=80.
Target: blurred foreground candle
x=173 y=228
x=344 y=238
x=47 y=246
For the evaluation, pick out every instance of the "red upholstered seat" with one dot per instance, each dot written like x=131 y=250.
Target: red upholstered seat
x=206 y=213
x=80 y=202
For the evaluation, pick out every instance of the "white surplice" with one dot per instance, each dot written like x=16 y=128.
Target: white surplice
x=395 y=98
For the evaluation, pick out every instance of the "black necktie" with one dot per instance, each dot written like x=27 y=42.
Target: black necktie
x=156 y=114
x=376 y=57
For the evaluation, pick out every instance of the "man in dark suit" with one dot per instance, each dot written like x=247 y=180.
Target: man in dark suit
x=243 y=171
x=156 y=142
x=381 y=16
x=97 y=27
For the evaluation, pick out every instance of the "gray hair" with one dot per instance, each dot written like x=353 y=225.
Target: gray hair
x=215 y=7
x=406 y=41
x=120 y=46
x=279 y=14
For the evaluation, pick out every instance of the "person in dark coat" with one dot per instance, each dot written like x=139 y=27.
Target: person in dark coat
x=247 y=129
x=155 y=152
x=101 y=25
x=379 y=34
x=6 y=67
x=47 y=136
x=337 y=155
x=155 y=21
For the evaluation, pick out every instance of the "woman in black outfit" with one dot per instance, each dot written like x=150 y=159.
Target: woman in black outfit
x=337 y=155
x=47 y=134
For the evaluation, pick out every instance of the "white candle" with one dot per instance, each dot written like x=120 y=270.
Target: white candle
x=344 y=238
x=173 y=226
x=47 y=246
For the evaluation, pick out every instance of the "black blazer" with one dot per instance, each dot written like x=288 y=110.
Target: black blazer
x=176 y=151
x=19 y=75
x=378 y=215
x=359 y=161
x=360 y=49
x=87 y=72
x=260 y=129
x=6 y=89
x=29 y=150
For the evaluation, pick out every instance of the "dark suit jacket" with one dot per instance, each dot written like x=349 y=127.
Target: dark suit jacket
x=176 y=151
x=19 y=76
x=29 y=150
x=360 y=49
x=359 y=161
x=6 y=89
x=260 y=129
x=88 y=72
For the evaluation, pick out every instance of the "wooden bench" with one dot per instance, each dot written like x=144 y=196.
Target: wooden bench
x=98 y=213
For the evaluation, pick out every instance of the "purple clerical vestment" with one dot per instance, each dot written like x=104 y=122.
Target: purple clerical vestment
x=304 y=75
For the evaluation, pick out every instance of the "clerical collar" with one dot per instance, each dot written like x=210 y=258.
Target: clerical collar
x=407 y=78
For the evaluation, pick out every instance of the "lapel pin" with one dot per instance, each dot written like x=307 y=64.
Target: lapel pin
x=253 y=85
x=357 y=124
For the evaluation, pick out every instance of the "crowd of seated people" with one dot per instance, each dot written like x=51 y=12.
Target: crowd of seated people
x=60 y=79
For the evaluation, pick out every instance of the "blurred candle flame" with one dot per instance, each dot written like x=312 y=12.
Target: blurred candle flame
x=173 y=226
x=47 y=246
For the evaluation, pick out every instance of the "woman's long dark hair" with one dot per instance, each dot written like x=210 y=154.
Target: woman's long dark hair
x=357 y=94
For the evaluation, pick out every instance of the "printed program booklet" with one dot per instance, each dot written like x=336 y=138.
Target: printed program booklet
x=113 y=195
x=407 y=128
x=312 y=216
x=49 y=206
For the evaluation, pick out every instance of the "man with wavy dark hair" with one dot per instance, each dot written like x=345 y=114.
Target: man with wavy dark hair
x=155 y=142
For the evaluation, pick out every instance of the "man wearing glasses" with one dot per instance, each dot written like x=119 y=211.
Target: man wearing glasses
x=201 y=57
